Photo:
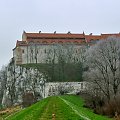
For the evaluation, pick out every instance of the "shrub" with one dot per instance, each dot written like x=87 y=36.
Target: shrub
x=112 y=108
x=28 y=99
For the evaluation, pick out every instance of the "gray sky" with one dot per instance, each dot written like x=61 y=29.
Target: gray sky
x=96 y=16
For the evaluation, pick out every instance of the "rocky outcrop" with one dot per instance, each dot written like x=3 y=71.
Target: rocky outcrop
x=21 y=80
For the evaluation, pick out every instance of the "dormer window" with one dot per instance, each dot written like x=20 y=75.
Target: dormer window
x=44 y=42
x=76 y=42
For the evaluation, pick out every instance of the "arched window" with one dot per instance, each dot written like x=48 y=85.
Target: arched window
x=53 y=42
x=31 y=42
x=60 y=42
x=68 y=42
x=76 y=42
x=44 y=42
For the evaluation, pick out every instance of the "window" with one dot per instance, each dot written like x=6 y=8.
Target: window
x=76 y=50
x=76 y=42
x=94 y=41
x=31 y=51
x=53 y=42
x=45 y=51
x=81 y=85
x=60 y=42
x=23 y=51
x=44 y=42
x=37 y=51
x=77 y=59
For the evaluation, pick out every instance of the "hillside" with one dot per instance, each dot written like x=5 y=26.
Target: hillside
x=67 y=107
x=36 y=79
x=57 y=72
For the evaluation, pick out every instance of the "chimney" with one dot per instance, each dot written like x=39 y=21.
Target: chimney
x=90 y=34
x=39 y=31
x=83 y=33
x=24 y=31
x=69 y=32
x=54 y=32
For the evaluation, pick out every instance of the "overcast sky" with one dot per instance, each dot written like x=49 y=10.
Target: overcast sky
x=96 y=16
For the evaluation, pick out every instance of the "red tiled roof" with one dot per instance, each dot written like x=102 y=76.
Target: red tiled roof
x=52 y=35
x=103 y=36
x=93 y=36
x=110 y=34
x=88 y=38
x=21 y=43
x=48 y=38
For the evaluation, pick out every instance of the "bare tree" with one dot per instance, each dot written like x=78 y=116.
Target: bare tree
x=64 y=60
x=3 y=79
x=11 y=86
x=57 y=57
x=103 y=61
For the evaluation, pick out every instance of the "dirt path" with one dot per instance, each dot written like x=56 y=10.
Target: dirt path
x=56 y=110
x=74 y=109
x=53 y=108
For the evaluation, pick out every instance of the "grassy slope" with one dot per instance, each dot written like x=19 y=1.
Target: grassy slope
x=31 y=113
x=77 y=103
x=44 y=109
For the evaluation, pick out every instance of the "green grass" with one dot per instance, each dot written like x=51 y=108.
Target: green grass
x=77 y=103
x=60 y=109
x=31 y=113
x=57 y=105
x=44 y=109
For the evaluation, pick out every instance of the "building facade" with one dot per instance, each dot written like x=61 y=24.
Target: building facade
x=33 y=47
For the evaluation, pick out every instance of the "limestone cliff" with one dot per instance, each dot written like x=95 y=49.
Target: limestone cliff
x=21 y=80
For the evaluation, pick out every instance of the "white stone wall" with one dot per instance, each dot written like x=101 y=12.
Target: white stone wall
x=31 y=54
x=53 y=88
x=40 y=53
